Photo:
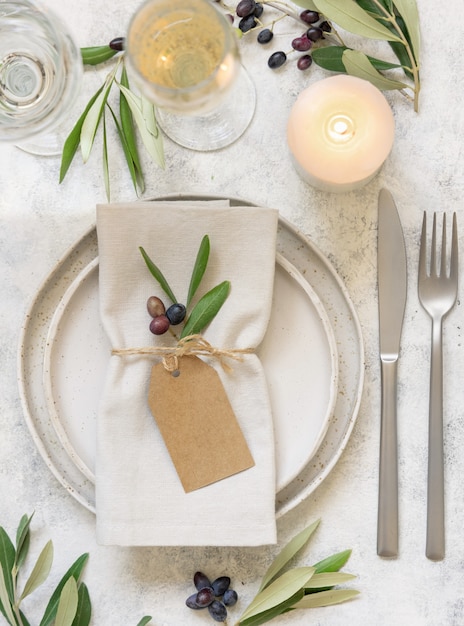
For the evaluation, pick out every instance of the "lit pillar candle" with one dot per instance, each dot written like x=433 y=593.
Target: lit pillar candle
x=340 y=131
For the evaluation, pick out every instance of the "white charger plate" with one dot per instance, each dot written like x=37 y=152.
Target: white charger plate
x=64 y=353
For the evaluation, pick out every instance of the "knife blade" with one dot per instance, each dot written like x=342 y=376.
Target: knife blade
x=392 y=288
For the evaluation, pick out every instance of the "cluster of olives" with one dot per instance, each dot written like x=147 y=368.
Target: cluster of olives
x=163 y=318
x=249 y=12
x=216 y=596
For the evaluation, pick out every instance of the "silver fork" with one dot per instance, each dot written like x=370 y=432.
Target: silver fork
x=437 y=294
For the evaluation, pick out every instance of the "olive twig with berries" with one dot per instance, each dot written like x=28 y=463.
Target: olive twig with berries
x=204 y=310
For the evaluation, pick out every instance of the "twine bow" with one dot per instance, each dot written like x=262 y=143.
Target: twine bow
x=192 y=345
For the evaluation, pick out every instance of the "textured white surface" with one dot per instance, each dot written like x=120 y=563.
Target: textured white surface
x=40 y=219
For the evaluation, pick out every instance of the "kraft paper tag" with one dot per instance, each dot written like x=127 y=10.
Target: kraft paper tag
x=197 y=423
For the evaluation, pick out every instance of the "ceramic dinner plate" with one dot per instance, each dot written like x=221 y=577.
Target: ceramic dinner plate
x=308 y=360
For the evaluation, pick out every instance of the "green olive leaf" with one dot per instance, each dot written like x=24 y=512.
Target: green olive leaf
x=7 y=561
x=136 y=175
x=350 y=16
x=206 y=309
x=278 y=591
x=306 y=4
x=5 y=604
x=40 y=571
x=145 y=620
x=410 y=14
x=84 y=607
x=199 y=268
x=75 y=570
x=158 y=275
x=93 y=117
x=357 y=64
x=127 y=131
x=72 y=142
x=288 y=552
x=23 y=537
x=330 y=58
x=328 y=579
x=106 y=170
x=275 y=611
x=97 y=54
x=332 y=563
x=325 y=598
x=67 y=606
x=144 y=116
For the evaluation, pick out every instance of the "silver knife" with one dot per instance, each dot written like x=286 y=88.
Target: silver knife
x=392 y=286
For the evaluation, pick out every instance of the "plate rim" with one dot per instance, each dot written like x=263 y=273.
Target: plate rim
x=285 y=504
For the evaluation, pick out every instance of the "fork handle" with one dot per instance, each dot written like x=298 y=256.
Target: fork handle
x=435 y=545
x=387 y=519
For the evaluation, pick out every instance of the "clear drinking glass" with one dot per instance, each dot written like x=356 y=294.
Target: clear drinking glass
x=183 y=55
x=40 y=75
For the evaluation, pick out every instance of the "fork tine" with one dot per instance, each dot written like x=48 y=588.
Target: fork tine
x=454 y=250
x=433 y=252
x=443 y=264
x=423 y=249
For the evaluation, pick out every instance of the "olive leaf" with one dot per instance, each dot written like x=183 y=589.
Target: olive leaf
x=328 y=579
x=288 y=552
x=330 y=58
x=306 y=4
x=72 y=142
x=325 y=598
x=158 y=275
x=23 y=537
x=199 y=268
x=332 y=563
x=206 y=309
x=127 y=131
x=40 y=571
x=84 y=608
x=5 y=604
x=410 y=14
x=67 y=606
x=350 y=16
x=278 y=591
x=97 y=54
x=106 y=171
x=357 y=64
x=145 y=620
x=135 y=172
x=7 y=561
x=75 y=571
x=275 y=611
x=144 y=116
x=93 y=117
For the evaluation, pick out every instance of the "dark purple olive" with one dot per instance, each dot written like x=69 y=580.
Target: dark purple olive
x=220 y=585
x=117 y=44
x=218 y=611
x=159 y=325
x=304 y=62
x=309 y=17
x=204 y=597
x=191 y=602
x=245 y=8
x=201 y=581
x=176 y=313
x=230 y=597
x=314 y=33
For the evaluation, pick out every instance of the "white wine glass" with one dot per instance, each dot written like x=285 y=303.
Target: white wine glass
x=40 y=75
x=183 y=56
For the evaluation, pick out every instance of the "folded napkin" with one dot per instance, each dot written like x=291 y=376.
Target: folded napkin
x=139 y=497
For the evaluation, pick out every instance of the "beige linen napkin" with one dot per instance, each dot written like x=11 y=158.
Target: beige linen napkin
x=139 y=497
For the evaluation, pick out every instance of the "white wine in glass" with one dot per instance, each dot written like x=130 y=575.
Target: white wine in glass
x=184 y=57
x=40 y=75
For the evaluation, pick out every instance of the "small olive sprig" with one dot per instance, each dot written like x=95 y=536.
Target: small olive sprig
x=204 y=310
x=134 y=112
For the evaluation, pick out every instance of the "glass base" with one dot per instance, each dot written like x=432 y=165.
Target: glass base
x=48 y=144
x=218 y=128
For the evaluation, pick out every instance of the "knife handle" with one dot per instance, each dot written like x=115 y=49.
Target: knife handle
x=387 y=521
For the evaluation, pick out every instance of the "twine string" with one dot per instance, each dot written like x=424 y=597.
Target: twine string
x=192 y=345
